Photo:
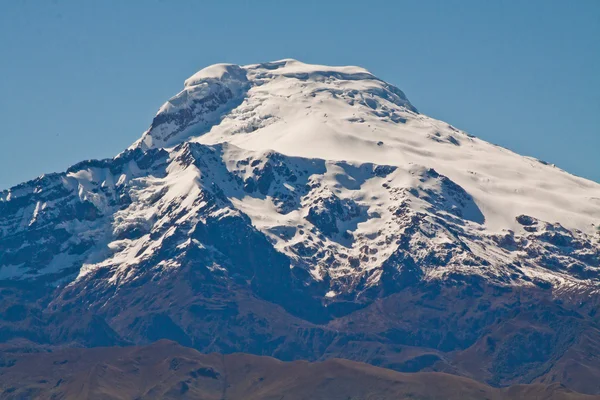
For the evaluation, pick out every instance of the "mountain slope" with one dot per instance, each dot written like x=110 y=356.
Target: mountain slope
x=166 y=371
x=333 y=152
x=305 y=211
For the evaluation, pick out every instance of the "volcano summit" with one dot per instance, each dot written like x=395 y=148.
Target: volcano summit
x=310 y=212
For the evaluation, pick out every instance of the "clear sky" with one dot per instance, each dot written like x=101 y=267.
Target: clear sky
x=83 y=79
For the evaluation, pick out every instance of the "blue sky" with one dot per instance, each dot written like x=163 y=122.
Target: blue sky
x=83 y=79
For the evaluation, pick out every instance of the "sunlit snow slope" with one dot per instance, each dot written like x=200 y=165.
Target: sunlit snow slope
x=334 y=166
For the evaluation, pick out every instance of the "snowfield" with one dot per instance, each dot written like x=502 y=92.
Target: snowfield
x=347 y=114
x=335 y=167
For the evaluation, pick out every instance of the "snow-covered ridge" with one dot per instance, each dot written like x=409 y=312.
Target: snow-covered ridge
x=331 y=168
x=213 y=92
x=347 y=114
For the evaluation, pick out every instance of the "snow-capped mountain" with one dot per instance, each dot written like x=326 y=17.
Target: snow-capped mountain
x=334 y=166
x=304 y=198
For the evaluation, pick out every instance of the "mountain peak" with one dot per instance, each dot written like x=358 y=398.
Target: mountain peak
x=286 y=67
x=347 y=114
x=302 y=210
x=221 y=92
x=325 y=162
x=217 y=72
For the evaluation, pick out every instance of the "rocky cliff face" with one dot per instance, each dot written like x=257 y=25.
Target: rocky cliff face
x=306 y=211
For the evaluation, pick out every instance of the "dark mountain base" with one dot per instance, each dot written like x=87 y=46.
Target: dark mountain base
x=165 y=370
x=497 y=335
